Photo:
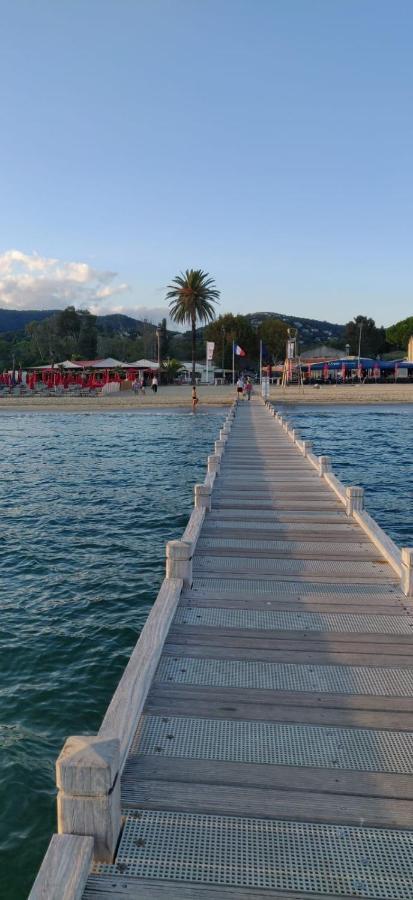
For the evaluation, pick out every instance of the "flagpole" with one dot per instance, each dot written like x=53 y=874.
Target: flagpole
x=233 y=362
x=261 y=362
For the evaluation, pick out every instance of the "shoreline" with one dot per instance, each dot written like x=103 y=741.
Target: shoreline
x=214 y=396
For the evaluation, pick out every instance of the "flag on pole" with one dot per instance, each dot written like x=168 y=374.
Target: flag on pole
x=239 y=351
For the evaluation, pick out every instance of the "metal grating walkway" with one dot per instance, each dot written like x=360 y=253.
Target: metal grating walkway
x=274 y=756
x=263 y=853
x=265 y=743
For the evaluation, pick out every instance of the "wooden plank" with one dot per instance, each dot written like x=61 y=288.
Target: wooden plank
x=124 y=887
x=304 y=806
x=289 y=778
x=323 y=657
x=327 y=641
x=191 y=700
x=127 y=702
x=65 y=868
x=229 y=698
x=295 y=604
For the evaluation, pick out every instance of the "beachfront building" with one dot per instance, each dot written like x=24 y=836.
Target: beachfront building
x=410 y=349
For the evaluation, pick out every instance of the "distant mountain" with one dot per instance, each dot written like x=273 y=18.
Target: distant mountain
x=116 y=323
x=310 y=331
x=17 y=319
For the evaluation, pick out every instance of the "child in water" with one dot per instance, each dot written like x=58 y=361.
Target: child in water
x=194 y=399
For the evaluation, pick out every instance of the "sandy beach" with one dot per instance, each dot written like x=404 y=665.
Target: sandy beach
x=180 y=397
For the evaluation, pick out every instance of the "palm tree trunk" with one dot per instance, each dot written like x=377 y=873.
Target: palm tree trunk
x=193 y=349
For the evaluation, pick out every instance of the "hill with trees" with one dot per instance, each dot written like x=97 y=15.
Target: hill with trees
x=36 y=337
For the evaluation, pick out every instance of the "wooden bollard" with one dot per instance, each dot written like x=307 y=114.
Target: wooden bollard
x=88 y=802
x=294 y=435
x=307 y=447
x=202 y=496
x=354 y=500
x=179 y=561
x=220 y=447
x=214 y=463
x=223 y=436
x=324 y=465
x=285 y=425
x=407 y=571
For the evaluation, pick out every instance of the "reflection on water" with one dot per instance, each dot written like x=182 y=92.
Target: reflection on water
x=87 y=503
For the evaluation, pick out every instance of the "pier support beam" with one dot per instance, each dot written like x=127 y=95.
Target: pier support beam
x=88 y=802
x=179 y=561
x=354 y=500
x=202 y=496
x=407 y=571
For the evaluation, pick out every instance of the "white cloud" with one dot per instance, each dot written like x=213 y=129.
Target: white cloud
x=30 y=281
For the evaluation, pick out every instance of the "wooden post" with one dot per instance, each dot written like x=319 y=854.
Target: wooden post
x=88 y=802
x=219 y=447
x=223 y=436
x=294 y=435
x=214 y=463
x=202 y=496
x=354 y=500
x=285 y=425
x=179 y=561
x=307 y=447
x=324 y=465
x=407 y=571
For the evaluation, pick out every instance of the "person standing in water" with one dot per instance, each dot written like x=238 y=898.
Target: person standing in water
x=195 y=400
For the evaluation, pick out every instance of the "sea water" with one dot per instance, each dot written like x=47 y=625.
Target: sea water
x=87 y=502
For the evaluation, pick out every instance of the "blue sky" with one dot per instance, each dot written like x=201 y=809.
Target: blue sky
x=266 y=141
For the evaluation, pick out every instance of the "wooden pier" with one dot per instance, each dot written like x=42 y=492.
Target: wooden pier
x=260 y=743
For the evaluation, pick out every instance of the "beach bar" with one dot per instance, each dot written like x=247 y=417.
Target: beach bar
x=260 y=741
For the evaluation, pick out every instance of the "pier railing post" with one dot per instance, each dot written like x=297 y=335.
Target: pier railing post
x=202 y=496
x=324 y=465
x=219 y=447
x=354 y=500
x=214 y=464
x=307 y=447
x=88 y=802
x=407 y=571
x=179 y=561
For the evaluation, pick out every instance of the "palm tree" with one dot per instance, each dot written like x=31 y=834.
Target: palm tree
x=191 y=296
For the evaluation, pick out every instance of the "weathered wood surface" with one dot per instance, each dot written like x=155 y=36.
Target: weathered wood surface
x=127 y=702
x=65 y=868
x=277 y=538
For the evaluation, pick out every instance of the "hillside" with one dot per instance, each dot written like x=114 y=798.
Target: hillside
x=15 y=320
x=311 y=331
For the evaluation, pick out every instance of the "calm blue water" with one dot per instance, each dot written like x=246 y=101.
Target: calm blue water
x=371 y=447
x=87 y=503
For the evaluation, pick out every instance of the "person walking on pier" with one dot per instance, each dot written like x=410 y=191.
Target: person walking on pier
x=240 y=388
x=154 y=384
x=248 y=388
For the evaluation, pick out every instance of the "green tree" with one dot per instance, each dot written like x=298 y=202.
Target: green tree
x=192 y=295
x=373 y=339
x=398 y=335
x=87 y=342
x=170 y=369
x=227 y=329
x=274 y=334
